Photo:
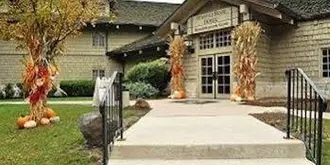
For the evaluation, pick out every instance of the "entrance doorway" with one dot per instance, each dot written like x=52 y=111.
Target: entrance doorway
x=215 y=76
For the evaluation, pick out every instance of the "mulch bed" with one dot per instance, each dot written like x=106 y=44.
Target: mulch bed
x=276 y=119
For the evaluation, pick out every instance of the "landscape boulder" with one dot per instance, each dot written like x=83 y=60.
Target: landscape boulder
x=90 y=126
x=142 y=104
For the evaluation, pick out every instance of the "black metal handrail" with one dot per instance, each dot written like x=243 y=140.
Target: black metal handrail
x=111 y=108
x=305 y=106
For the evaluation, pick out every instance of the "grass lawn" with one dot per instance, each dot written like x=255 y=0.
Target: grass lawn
x=60 y=144
x=56 y=99
x=278 y=120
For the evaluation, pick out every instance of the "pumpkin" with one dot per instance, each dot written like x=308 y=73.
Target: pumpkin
x=30 y=124
x=182 y=94
x=50 y=113
x=44 y=121
x=21 y=121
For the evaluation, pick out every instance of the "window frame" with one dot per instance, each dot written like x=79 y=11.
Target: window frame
x=98 y=73
x=98 y=39
x=218 y=41
x=327 y=63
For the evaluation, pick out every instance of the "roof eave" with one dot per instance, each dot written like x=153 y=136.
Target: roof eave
x=280 y=7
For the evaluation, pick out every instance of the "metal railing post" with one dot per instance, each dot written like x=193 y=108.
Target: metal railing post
x=105 y=133
x=321 y=109
x=288 y=75
x=121 y=125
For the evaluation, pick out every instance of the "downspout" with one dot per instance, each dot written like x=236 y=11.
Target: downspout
x=106 y=41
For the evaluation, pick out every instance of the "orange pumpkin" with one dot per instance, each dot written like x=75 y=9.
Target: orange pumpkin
x=50 y=113
x=21 y=121
x=182 y=94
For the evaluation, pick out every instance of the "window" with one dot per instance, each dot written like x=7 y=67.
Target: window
x=206 y=41
x=326 y=62
x=98 y=39
x=222 y=38
x=215 y=40
x=98 y=73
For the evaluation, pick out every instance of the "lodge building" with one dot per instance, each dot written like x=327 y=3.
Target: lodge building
x=296 y=34
x=86 y=55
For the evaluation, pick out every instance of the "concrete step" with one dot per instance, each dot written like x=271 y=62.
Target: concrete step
x=214 y=162
x=211 y=137
x=212 y=151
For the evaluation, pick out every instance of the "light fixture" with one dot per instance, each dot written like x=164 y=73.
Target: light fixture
x=174 y=26
x=243 y=9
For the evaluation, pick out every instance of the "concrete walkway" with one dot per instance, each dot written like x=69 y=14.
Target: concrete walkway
x=213 y=133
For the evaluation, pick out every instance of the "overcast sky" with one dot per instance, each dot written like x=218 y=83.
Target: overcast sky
x=168 y=1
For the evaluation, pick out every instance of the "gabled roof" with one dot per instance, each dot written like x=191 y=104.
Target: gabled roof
x=288 y=9
x=143 y=13
x=307 y=9
x=144 y=43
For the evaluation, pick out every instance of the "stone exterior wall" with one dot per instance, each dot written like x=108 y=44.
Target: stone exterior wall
x=299 y=47
x=190 y=63
x=78 y=62
x=265 y=62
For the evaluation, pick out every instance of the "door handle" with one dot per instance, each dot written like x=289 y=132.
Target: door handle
x=215 y=75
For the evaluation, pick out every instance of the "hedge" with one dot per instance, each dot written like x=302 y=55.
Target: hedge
x=78 y=88
x=154 y=73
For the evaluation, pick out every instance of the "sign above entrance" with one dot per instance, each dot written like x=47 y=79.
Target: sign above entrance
x=218 y=19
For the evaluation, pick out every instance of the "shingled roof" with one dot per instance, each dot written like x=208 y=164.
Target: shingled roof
x=308 y=9
x=143 y=13
x=144 y=43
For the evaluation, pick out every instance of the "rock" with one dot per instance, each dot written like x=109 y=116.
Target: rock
x=30 y=124
x=90 y=126
x=141 y=104
x=54 y=119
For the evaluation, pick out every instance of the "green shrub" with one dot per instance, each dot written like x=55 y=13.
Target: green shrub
x=142 y=90
x=78 y=87
x=9 y=91
x=154 y=73
x=2 y=94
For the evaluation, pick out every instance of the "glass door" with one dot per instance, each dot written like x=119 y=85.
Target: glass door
x=222 y=70
x=207 y=83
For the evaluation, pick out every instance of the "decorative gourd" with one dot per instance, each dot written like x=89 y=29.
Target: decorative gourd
x=44 y=121
x=22 y=120
x=55 y=119
x=50 y=113
x=233 y=97
x=30 y=124
x=176 y=95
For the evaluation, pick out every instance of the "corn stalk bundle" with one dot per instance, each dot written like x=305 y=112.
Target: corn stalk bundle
x=245 y=38
x=177 y=49
x=37 y=78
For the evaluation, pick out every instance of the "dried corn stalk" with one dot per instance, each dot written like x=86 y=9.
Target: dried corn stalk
x=177 y=49
x=245 y=38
